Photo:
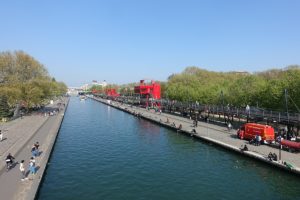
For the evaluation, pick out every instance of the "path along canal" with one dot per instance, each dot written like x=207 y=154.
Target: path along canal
x=104 y=153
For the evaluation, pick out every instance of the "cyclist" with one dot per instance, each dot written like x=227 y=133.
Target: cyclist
x=9 y=161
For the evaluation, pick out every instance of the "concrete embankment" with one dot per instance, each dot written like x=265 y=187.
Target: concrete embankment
x=213 y=134
x=25 y=132
x=48 y=145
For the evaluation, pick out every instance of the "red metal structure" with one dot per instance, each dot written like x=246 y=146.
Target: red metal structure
x=111 y=92
x=290 y=144
x=148 y=91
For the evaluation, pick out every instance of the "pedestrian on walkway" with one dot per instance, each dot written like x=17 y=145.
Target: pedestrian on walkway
x=36 y=145
x=1 y=136
x=257 y=140
x=229 y=126
x=196 y=121
x=32 y=168
x=22 y=169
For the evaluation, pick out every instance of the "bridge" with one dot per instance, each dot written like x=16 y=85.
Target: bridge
x=74 y=90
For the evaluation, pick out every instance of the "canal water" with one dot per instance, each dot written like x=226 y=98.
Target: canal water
x=104 y=153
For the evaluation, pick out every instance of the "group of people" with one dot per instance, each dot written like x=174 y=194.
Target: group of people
x=256 y=140
x=32 y=168
x=272 y=156
x=32 y=163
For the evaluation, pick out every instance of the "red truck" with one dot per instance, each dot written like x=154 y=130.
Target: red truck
x=248 y=131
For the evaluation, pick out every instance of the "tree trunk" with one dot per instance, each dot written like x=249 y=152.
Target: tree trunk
x=17 y=111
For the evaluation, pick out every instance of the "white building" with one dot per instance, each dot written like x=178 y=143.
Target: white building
x=94 y=82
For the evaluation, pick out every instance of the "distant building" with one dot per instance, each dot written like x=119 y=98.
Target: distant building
x=94 y=82
x=73 y=90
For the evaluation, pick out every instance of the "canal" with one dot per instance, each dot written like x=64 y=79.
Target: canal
x=104 y=153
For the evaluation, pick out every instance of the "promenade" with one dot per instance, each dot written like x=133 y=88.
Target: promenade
x=19 y=137
x=213 y=134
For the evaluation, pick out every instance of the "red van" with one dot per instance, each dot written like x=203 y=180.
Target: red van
x=248 y=131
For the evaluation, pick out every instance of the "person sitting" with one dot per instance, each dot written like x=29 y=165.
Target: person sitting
x=33 y=151
x=253 y=141
x=36 y=145
x=275 y=157
x=179 y=127
x=272 y=156
x=245 y=148
x=167 y=121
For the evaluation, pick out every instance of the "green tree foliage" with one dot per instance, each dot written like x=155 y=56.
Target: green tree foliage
x=163 y=86
x=23 y=80
x=4 y=108
x=96 y=87
x=127 y=89
x=265 y=89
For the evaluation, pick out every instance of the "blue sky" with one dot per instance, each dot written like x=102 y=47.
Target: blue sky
x=123 y=41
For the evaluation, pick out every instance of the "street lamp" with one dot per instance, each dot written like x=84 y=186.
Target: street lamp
x=222 y=99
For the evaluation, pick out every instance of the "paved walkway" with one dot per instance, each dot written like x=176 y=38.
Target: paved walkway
x=20 y=136
x=17 y=132
x=211 y=132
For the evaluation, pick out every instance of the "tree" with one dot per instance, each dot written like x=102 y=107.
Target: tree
x=4 y=108
x=25 y=81
x=240 y=89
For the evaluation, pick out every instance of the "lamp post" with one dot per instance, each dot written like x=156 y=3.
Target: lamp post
x=222 y=99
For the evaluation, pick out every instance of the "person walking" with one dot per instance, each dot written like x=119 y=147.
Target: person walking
x=22 y=170
x=1 y=136
x=229 y=126
x=32 y=168
x=259 y=140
